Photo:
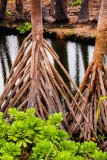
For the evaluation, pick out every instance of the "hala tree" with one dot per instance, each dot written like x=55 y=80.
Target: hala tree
x=84 y=12
x=19 y=10
x=3 y=4
x=61 y=11
x=34 y=81
x=94 y=85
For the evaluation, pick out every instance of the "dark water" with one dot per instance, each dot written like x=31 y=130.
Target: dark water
x=75 y=57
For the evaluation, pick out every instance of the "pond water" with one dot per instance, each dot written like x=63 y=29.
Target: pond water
x=75 y=57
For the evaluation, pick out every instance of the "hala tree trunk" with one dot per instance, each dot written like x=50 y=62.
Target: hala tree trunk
x=61 y=11
x=37 y=38
x=46 y=15
x=3 y=4
x=94 y=86
x=94 y=7
x=19 y=10
x=84 y=12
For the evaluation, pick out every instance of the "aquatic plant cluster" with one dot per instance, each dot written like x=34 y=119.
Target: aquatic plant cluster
x=25 y=136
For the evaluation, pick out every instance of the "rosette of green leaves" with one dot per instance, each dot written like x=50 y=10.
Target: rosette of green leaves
x=20 y=133
x=16 y=115
x=7 y=157
x=55 y=119
x=4 y=127
x=99 y=155
x=43 y=150
x=2 y=142
x=53 y=134
x=71 y=146
x=87 y=149
x=10 y=150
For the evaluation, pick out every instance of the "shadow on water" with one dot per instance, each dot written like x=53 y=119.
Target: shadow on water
x=75 y=57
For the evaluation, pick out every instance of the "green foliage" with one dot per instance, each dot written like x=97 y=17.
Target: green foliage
x=20 y=133
x=9 y=13
x=25 y=28
x=87 y=149
x=99 y=155
x=77 y=2
x=7 y=157
x=42 y=150
x=10 y=149
x=23 y=133
x=98 y=107
x=102 y=137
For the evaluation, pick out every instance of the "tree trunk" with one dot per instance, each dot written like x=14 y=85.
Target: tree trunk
x=100 y=46
x=84 y=12
x=94 y=7
x=19 y=10
x=3 y=4
x=46 y=15
x=37 y=38
x=61 y=11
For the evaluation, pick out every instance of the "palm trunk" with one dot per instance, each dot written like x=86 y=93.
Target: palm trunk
x=84 y=12
x=3 y=4
x=19 y=10
x=61 y=11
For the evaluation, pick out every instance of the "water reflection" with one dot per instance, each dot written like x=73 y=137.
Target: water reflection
x=75 y=57
x=60 y=46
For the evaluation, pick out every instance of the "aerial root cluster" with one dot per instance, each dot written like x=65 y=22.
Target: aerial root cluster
x=34 y=82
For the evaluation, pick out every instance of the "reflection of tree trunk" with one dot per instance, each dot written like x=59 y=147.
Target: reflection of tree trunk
x=60 y=47
x=4 y=55
x=8 y=57
x=84 y=51
x=19 y=10
x=84 y=12
x=77 y=75
x=3 y=65
x=61 y=11
x=3 y=4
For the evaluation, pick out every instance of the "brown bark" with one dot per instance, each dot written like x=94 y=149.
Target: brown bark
x=100 y=45
x=3 y=4
x=19 y=10
x=94 y=7
x=37 y=38
x=61 y=11
x=95 y=82
x=46 y=15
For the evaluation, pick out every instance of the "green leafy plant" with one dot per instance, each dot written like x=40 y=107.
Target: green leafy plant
x=20 y=133
x=9 y=13
x=24 y=134
x=25 y=28
x=102 y=137
x=99 y=155
x=7 y=157
x=43 y=150
x=77 y=2
x=10 y=149
x=87 y=149
x=98 y=107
